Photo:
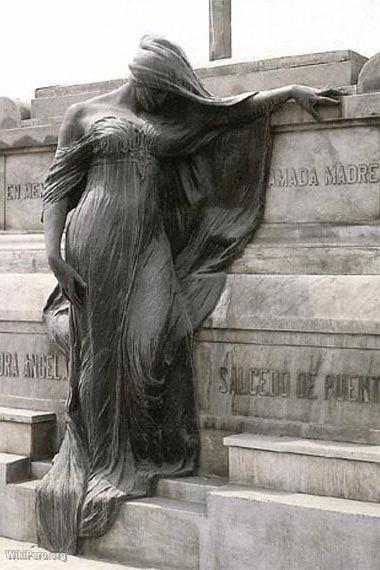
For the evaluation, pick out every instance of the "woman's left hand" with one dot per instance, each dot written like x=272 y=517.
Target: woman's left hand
x=308 y=98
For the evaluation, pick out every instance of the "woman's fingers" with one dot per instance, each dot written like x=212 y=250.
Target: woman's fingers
x=327 y=101
x=332 y=92
x=67 y=295
x=75 y=299
x=71 y=294
x=79 y=279
x=310 y=108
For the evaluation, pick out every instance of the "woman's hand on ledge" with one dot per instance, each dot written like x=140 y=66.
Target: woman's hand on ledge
x=71 y=283
x=309 y=98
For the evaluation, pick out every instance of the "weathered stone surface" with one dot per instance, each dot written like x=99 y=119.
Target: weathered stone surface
x=13 y=468
x=23 y=296
x=325 y=175
x=369 y=76
x=31 y=135
x=30 y=367
x=51 y=561
x=33 y=375
x=226 y=78
x=273 y=530
x=2 y=190
x=362 y=105
x=12 y=112
x=214 y=455
x=284 y=249
x=294 y=390
x=25 y=175
x=331 y=469
x=153 y=531
x=190 y=489
x=344 y=304
x=27 y=432
x=46 y=107
x=23 y=253
x=316 y=234
x=38 y=469
x=295 y=355
x=18 y=508
x=309 y=259
x=227 y=68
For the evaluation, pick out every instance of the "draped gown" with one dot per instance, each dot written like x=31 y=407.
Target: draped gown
x=152 y=277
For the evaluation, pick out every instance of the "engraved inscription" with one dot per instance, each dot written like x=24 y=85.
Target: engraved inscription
x=264 y=382
x=28 y=365
x=332 y=175
x=25 y=191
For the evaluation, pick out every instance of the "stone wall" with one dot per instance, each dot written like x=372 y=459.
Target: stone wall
x=293 y=346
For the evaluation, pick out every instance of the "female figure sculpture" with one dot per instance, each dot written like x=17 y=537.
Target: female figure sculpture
x=167 y=186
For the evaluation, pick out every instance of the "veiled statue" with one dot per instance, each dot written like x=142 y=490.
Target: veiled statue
x=161 y=185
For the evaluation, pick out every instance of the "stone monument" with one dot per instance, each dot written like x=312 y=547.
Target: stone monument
x=287 y=366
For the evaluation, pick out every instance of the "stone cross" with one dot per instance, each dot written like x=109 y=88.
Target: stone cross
x=220 y=29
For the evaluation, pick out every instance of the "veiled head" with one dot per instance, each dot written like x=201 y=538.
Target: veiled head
x=161 y=66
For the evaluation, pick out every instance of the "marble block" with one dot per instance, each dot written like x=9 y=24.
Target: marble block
x=369 y=76
x=33 y=374
x=325 y=175
x=293 y=355
x=273 y=530
x=24 y=178
x=335 y=68
x=13 y=468
x=324 y=468
x=27 y=432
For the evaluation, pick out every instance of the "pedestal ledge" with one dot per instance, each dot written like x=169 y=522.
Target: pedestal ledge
x=27 y=432
x=318 y=448
x=25 y=416
x=324 y=468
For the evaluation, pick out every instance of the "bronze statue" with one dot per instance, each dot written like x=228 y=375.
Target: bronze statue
x=166 y=184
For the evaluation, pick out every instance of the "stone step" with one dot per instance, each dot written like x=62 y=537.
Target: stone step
x=190 y=489
x=22 y=253
x=318 y=234
x=18 y=502
x=262 y=529
x=156 y=531
x=13 y=468
x=27 y=432
x=38 y=469
x=15 y=554
x=308 y=259
x=326 y=468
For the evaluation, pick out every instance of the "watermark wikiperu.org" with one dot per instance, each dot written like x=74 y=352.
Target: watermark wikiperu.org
x=34 y=554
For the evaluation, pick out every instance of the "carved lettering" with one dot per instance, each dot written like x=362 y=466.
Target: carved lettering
x=38 y=366
x=239 y=380
x=346 y=388
x=262 y=382
x=25 y=191
x=9 y=364
x=332 y=175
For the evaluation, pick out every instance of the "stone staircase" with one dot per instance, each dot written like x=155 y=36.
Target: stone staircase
x=283 y=491
x=167 y=531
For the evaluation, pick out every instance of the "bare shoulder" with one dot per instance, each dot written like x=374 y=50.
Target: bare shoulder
x=73 y=124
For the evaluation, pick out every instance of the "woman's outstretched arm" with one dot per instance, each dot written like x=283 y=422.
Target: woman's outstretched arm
x=266 y=102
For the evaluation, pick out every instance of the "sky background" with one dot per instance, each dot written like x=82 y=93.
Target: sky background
x=45 y=42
